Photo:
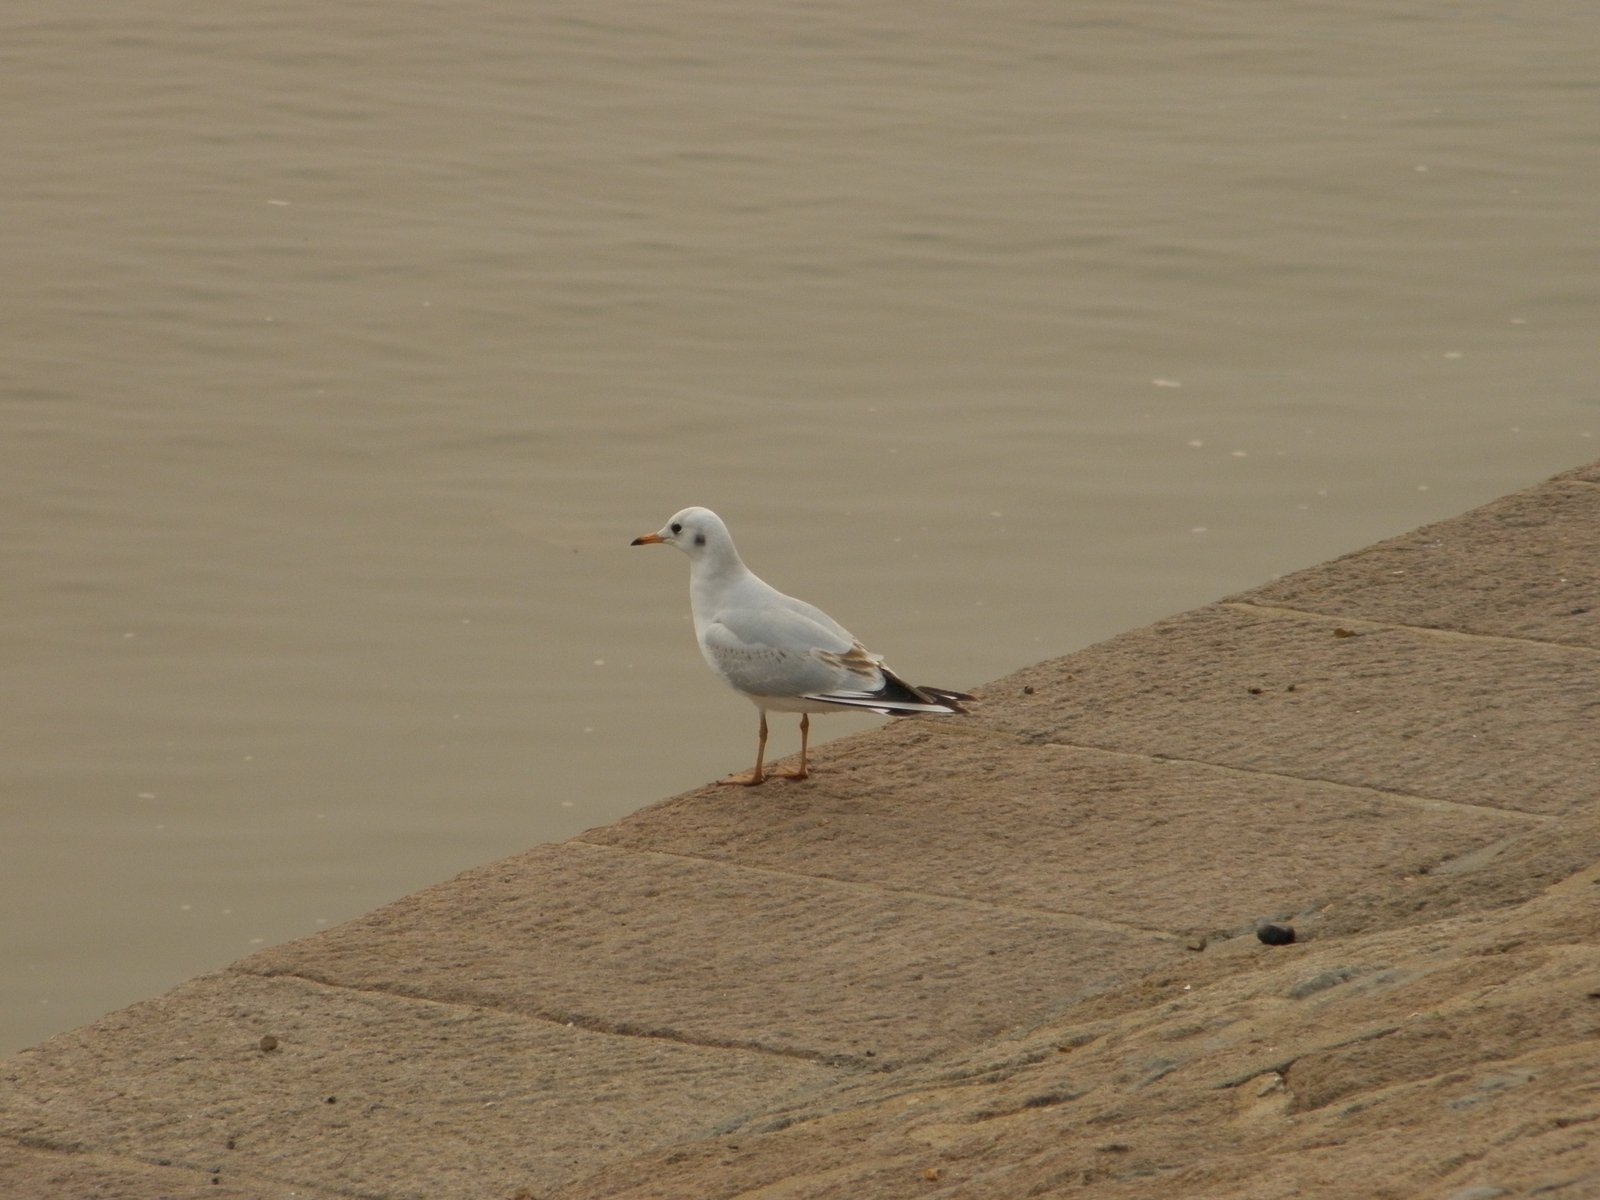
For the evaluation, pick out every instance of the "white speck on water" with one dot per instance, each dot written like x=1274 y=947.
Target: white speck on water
x=1168 y=383
x=1237 y=453
x=1197 y=529
x=599 y=662
x=278 y=203
x=1196 y=443
x=1453 y=354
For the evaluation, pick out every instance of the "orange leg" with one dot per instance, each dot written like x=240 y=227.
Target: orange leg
x=751 y=778
x=805 y=736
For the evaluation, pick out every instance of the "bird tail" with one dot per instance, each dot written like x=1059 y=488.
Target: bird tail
x=897 y=698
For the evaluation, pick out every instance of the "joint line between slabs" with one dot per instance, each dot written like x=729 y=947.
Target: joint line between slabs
x=1092 y=923
x=1410 y=798
x=578 y=1021
x=1307 y=614
x=45 y=1145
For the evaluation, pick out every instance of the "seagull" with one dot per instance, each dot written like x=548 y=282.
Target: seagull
x=781 y=654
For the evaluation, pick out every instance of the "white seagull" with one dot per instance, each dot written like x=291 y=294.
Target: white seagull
x=781 y=653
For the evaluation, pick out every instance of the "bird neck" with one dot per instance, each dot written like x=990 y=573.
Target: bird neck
x=717 y=567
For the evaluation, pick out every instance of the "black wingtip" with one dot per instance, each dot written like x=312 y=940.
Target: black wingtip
x=895 y=688
x=953 y=700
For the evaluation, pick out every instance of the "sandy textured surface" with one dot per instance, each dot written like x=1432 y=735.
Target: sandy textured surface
x=1007 y=956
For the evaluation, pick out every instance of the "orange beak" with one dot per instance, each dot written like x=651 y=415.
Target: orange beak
x=649 y=539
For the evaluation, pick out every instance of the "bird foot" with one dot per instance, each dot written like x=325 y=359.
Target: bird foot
x=789 y=773
x=747 y=779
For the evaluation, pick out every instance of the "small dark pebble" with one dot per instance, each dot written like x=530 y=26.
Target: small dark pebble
x=268 y=1044
x=1343 y=632
x=331 y=1100
x=1290 y=688
x=1578 y=612
x=1255 y=691
x=1276 y=935
x=1028 y=691
x=1197 y=942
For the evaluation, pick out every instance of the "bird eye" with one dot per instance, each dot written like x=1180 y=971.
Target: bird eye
x=676 y=527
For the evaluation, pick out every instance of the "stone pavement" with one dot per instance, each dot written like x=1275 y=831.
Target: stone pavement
x=1002 y=956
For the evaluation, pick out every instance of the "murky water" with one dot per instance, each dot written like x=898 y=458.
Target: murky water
x=347 y=347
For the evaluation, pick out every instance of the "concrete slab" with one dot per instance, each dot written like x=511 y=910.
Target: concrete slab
x=1526 y=566
x=364 y=1094
x=1174 y=846
x=1478 y=721
x=656 y=946
x=1379 y=1065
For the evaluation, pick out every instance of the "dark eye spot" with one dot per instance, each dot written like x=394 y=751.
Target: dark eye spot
x=699 y=539
x=676 y=527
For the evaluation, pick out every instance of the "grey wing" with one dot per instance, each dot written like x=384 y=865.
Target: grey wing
x=811 y=612
x=776 y=652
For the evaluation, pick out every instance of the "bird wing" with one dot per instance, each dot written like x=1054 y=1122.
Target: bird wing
x=784 y=652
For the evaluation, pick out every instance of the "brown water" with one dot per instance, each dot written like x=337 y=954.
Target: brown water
x=346 y=347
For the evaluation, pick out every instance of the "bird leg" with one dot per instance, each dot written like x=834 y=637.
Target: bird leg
x=805 y=735
x=751 y=778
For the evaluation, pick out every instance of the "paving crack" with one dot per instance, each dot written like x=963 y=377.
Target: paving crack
x=1090 y=923
x=76 y=1149
x=1432 y=803
x=569 y=1019
x=1306 y=614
